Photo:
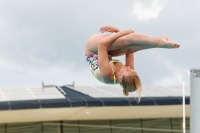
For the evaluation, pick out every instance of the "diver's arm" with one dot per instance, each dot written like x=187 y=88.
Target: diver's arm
x=130 y=60
x=103 y=62
x=111 y=38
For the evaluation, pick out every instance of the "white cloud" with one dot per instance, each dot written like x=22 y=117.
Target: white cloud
x=144 y=12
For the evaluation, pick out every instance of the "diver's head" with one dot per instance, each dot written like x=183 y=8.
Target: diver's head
x=130 y=81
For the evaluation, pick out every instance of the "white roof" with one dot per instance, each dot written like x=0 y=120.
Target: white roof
x=147 y=91
x=16 y=94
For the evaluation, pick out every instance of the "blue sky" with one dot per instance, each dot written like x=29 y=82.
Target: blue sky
x=43 y=41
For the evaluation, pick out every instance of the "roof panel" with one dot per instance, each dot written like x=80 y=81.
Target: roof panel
x=16 y=94
x=147 y=91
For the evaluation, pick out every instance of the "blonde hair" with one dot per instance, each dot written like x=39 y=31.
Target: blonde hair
x=131 y=83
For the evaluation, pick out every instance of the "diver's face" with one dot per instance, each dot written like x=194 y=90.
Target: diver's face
x=126 y=70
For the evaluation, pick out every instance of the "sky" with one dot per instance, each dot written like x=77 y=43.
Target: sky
x=44 y=41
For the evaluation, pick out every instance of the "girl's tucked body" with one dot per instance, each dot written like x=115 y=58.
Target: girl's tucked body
x=100 y=48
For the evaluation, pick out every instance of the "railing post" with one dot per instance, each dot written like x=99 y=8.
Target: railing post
x=194 y=100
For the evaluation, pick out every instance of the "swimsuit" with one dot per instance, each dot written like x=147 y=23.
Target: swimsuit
x=92 y=61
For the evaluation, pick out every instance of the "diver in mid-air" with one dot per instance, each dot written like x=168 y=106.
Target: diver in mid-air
x=100 y=49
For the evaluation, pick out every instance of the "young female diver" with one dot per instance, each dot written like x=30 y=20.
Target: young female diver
x=101 y=47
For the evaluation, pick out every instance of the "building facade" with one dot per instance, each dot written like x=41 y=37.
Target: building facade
x=67 y=109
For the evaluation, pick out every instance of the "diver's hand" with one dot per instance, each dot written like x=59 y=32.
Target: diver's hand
x=109 y=29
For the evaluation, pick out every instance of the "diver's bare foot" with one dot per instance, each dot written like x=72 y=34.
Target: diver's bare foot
x=165 y=42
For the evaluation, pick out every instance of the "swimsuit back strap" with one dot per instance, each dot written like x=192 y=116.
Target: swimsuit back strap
x=117 y=61
x=115 y=81
x=113 y=72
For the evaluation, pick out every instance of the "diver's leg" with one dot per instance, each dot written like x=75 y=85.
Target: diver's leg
x=136 y=41
x=131 y=43
x=140 y=41
x=138 y=38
